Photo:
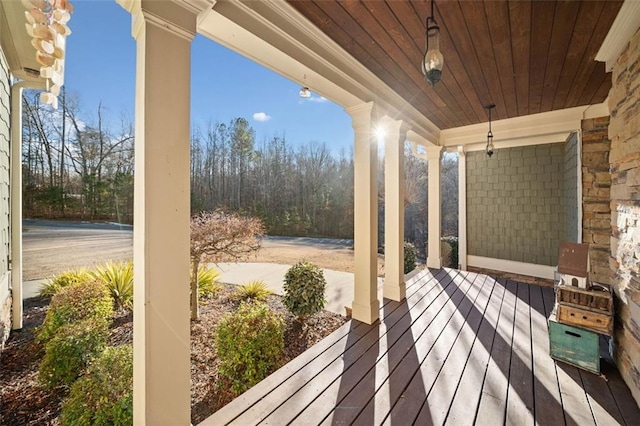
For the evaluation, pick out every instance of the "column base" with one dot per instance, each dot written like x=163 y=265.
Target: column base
x=395 y=292
x=434 y=262
x=368 y=313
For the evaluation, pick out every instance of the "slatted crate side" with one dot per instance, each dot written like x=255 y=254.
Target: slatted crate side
x=574 y=345
x=596 y=300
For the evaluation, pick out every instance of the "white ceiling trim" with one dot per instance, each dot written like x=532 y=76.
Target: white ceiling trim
x=277 y=36
x=546 y=127
x=624 y=27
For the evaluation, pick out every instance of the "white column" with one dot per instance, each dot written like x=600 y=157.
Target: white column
x=16 y=205
x=462 y=208
x=365 y=305
x=394 y=285
x=161 y=385
x=434 y=259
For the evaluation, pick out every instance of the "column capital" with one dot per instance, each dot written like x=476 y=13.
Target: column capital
x=462 y=150
x=396 y=126
x=176 y=16
x=362 y=115
x=433 y=152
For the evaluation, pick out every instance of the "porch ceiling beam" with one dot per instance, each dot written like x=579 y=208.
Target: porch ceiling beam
x=546 y=127
x=276 y=35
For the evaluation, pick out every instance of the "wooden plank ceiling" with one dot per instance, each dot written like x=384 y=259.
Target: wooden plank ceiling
x=524 y=56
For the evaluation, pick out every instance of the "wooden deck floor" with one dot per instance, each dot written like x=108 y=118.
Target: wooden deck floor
x=462 y=349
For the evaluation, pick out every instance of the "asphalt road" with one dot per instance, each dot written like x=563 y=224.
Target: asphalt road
x=50 y=247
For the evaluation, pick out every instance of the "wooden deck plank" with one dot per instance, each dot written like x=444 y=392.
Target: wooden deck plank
x=295 y=374
x=341 y=402
x=603 y=405
x=491 y=409
x=520 y=402
x=350 y=368
x=574 y=400
x=624 y=400
x=442 y=356
x=410 y=401
x=548 y=407
x=465 y=402
x=440 y=397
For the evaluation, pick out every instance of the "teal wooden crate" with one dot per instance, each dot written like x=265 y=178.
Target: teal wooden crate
x=574 y=346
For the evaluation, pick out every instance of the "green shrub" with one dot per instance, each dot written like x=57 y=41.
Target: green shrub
x=250 y=342
x=255 y=290
x=65 y=279
x=104 y=394
x=304 y=286
x=89 y=300
x=118 y=278
x=453 y=243
x=71 y=349
x=208 y=281
x=410 y=257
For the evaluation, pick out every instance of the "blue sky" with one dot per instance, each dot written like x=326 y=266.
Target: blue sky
x=100 y=67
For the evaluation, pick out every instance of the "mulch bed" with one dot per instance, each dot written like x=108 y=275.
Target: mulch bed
x=24 y=402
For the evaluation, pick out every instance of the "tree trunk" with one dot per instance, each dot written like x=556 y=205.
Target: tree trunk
x=194 y=290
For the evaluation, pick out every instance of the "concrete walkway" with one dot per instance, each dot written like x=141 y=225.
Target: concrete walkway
x=339 y=291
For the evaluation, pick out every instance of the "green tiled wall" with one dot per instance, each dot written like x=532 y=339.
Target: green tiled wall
x=516 y=203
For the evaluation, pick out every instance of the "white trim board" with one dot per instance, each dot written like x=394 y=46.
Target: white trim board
x=530 y=269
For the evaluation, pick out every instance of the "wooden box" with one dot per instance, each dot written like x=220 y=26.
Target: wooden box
x=574 y=345
x=594 y=300
x=595 y=321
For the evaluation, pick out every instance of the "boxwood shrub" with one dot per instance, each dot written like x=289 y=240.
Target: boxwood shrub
x=304 y=287
x=250 y=342
x=103 y=396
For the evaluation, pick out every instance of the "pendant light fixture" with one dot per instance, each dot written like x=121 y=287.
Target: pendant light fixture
x=490 y=134
x=304 y=92
x=433 y=61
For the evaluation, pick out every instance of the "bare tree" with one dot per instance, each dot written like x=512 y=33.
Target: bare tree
x=218 y=236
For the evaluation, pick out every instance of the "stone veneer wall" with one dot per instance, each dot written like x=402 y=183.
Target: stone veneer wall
x=516 y=203
x=624 y=158
x=5 y=135
x=570 y=188
x=596 y=183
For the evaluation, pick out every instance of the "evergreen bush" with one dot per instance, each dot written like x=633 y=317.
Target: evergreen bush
x=71 y=349
x=103 y=396
x=304 y=287
x=88 y=300
x=410 y=257
x=250 y=342
x=65 y=279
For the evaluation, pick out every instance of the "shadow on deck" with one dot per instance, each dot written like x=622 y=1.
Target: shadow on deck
x=463 y=348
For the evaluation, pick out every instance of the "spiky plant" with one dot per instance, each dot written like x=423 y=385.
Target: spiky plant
x=208 y=281
x=65 y=279
x=118 y=278
x=254 y=290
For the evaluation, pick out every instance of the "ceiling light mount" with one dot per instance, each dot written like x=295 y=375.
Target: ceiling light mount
x=433 y=60
x=490 y=133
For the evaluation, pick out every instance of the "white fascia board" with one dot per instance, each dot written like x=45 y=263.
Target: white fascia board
x=277 y=36
x=511 y=266
x=545 y=127
x=624 y=27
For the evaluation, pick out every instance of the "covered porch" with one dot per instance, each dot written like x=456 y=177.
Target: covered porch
x=463 y=348
x=356 y=54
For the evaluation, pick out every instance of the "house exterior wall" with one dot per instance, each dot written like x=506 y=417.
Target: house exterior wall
x=570 y=186
x=5 y=135
x=624 y=158
x=516 y=203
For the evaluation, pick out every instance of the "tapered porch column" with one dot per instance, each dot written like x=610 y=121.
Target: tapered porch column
x=394 y=285
x=434 y=259
x=161 y=384
x=365 y=305
x=462 y=209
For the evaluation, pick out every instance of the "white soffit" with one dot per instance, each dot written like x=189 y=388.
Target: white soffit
x=534 y=129
x=624 y=27
x=275 y=35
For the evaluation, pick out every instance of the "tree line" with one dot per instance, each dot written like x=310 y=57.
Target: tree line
x=76 y=167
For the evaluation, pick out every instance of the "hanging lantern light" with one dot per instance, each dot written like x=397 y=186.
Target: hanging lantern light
x=490 y=134
x=433 y=60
